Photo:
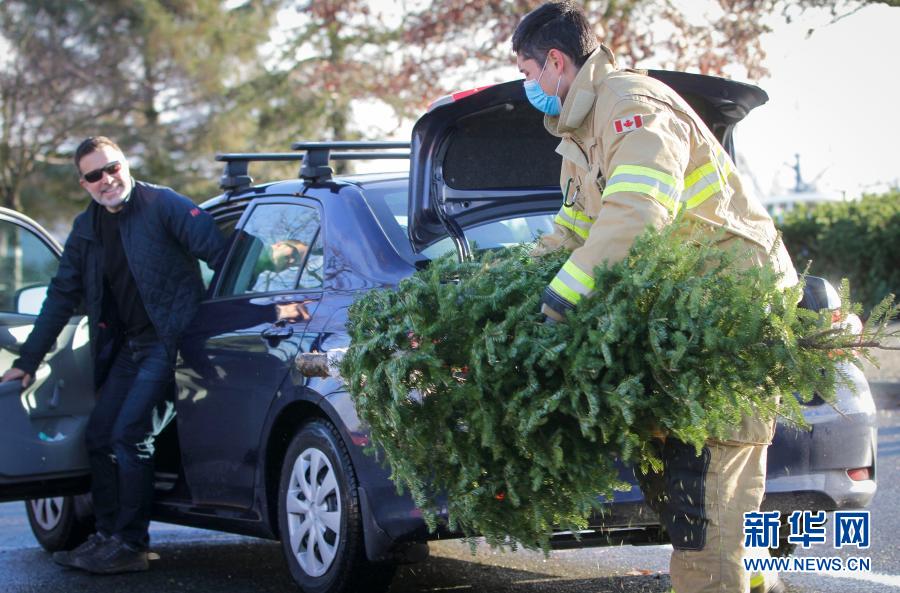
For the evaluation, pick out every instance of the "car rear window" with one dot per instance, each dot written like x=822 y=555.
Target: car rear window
x=390 y=205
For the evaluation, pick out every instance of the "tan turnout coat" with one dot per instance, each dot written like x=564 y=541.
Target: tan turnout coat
x=634 y=153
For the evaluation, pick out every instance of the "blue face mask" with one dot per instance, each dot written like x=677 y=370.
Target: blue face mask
x=541 y=101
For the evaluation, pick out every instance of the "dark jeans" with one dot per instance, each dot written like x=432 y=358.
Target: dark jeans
x=120 y=436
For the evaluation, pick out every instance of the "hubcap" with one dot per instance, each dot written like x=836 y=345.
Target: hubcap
x=314 y=512
x=47 y=512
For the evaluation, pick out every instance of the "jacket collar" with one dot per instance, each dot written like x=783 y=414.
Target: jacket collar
x=582 y=94
x=90 y=227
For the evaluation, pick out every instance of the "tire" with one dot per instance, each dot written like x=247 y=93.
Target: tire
x=59 y=523
x=317 y=467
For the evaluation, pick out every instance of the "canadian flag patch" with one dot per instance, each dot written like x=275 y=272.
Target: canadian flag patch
x=195 y=212
x=627 y=124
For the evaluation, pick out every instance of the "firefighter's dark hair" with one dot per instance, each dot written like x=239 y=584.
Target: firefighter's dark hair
x=558 y=25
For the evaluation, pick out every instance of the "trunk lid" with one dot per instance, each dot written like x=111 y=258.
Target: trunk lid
x=486 y=155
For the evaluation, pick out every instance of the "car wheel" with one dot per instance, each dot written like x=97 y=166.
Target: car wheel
x=319 y=516
x=56 y=522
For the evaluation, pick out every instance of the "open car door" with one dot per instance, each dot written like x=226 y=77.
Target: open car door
x=480 y=156
x=42 y=451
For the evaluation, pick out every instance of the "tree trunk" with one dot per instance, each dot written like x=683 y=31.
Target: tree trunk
x=339 y=106
x=11 y=196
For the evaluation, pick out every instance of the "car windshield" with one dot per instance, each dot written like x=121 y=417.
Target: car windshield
x=390 y=204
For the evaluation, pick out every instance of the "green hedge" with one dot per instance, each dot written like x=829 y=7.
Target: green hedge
x=857 y=240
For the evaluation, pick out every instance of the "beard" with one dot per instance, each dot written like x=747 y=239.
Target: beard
x=114 y=197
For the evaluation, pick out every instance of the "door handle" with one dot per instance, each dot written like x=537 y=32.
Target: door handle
x=278 y=332
x=54 y=399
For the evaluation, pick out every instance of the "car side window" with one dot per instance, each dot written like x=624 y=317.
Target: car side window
x=226 y=227
x=312 y=278
x=27 y=265
x=271 y=249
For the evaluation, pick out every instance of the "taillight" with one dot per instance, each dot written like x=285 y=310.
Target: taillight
x=852 y=321
x=860 y=473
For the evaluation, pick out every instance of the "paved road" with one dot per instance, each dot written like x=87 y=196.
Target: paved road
x=197 y=560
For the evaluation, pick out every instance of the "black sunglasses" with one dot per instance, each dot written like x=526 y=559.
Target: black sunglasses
x=97 y=174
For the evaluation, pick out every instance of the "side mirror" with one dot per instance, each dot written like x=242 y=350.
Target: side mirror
x=29 y=300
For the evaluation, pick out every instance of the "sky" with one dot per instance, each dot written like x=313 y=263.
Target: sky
x=832 y=100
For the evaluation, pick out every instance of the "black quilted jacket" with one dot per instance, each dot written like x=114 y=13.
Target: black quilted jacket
x=163 y=234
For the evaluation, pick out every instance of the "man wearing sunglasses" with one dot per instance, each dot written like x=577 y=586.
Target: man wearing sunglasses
x=131 y=258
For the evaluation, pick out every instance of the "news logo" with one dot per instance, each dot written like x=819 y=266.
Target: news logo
x=763 y=529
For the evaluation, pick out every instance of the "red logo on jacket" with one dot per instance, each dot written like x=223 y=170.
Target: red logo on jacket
x=627 y=124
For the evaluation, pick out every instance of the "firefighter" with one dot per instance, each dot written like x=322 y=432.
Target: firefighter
x=635 y=154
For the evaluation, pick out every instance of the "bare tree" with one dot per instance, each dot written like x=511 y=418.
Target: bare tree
x=154 y=74
x=463 y=36
x=50 y=89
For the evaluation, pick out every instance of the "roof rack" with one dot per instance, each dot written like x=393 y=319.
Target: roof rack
x=315 y=165
x=236 y=175
x=315 y=160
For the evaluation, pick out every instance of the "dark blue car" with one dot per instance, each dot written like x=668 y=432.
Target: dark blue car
x=265 y=439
